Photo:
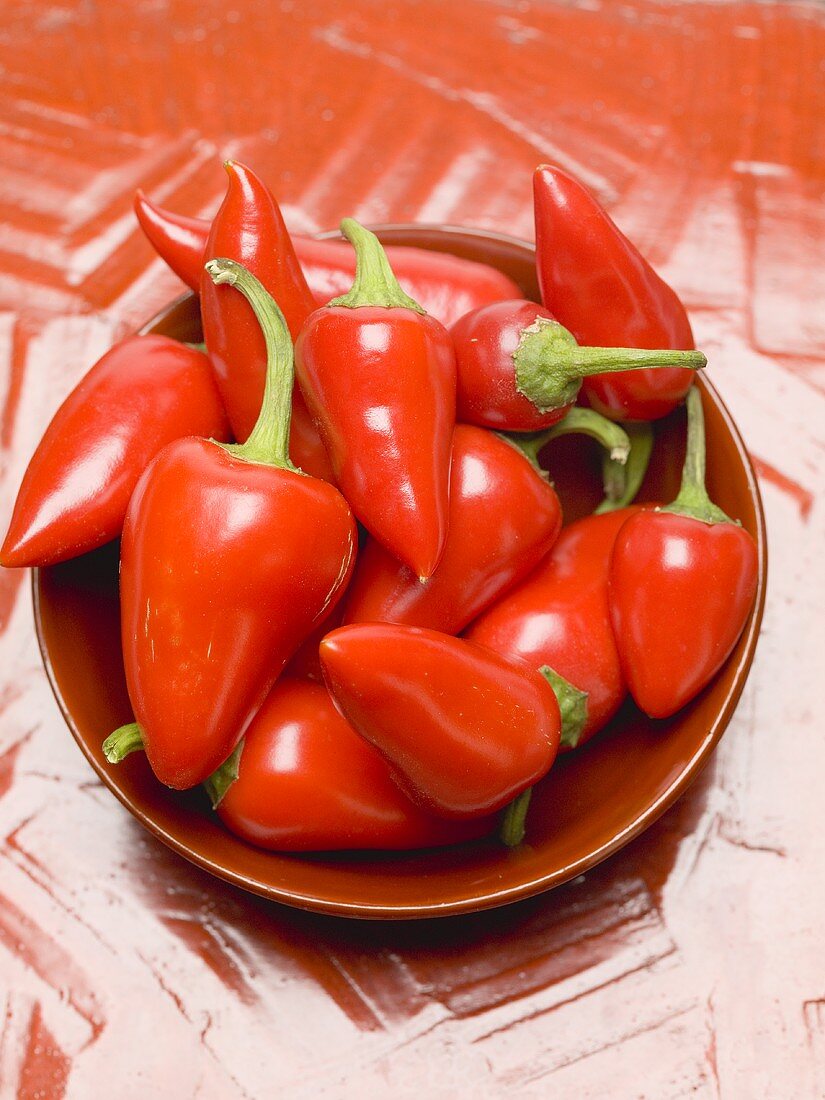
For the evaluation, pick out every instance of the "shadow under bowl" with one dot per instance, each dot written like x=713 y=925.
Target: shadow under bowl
x=591 y=804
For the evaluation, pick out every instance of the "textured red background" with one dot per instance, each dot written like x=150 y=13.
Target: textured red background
x=690 y=964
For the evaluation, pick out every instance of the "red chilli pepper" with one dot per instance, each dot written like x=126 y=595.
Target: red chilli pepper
x=180 y=241
x=682 y=583
x=559 y=616
x=600 y=287
x=519 y=370
x=379 y=379
x=303 y=780
x=504 y=517
x=229 y=558
x=249 y=229
x=464 y=730
x=446 y=286
x=143 y=393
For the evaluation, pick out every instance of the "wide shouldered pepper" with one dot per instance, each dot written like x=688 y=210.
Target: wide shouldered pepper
x=519 y=370
x=303 y=780
x=378 y=376
x=143 y=393
x=600 y=287
x=445 y=285
x=682 y=583
x=464 y=730
x=229 y=558
x=250 y=230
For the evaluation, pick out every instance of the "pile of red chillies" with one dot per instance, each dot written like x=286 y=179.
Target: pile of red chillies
x=349 y=607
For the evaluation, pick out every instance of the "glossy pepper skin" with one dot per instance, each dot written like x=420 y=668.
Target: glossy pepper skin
x=464 y=730
x=306 y=781
x=519 y=370
x=560 y=616
x=226 y=566
x=229 y=558
x=682 y=583
x=305 y=663
x=143 y=393
x=504 y=517
x=379 y=379
x=446 y=286
x=249 y=229
x=601 y=288
x=179 y=240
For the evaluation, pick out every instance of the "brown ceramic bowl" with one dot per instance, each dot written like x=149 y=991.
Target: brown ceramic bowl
x=591 y=804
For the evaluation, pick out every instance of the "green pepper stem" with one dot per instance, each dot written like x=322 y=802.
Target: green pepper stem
x=572 y=706
x=512 y=828
x=128 y=739
x=550 y=363
x=586 y=421
x=608 y=433
x=622 y=481
x=124 y=740
x=693 y=499
x=573 y=711
x=375 y=282
x=223 y=777
x=530 y=444
x=268 y=442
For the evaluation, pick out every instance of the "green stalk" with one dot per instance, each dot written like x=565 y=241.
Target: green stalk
x=223 y=777
x=622 y=481
x=268 y=442
x=512 y=828
x=125 y=740
x=128 y=739
x=693 y=499
x=573 y=710
x=572 y=706
x=550 y=363
x=375 y=282
x=608 y=433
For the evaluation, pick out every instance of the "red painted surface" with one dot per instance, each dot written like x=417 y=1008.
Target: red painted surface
x=689 y=964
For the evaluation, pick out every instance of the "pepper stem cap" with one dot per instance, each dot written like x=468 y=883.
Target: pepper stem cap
x=223 y=777
x=693 y=499
x=375 y=282
x=572 y=706
x=551 y=364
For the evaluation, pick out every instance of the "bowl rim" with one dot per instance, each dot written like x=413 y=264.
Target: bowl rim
x=534 y=884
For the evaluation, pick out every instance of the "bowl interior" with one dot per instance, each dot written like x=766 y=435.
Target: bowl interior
x=591 y=804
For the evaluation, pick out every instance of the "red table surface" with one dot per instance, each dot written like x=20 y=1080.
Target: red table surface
x=691 y=963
